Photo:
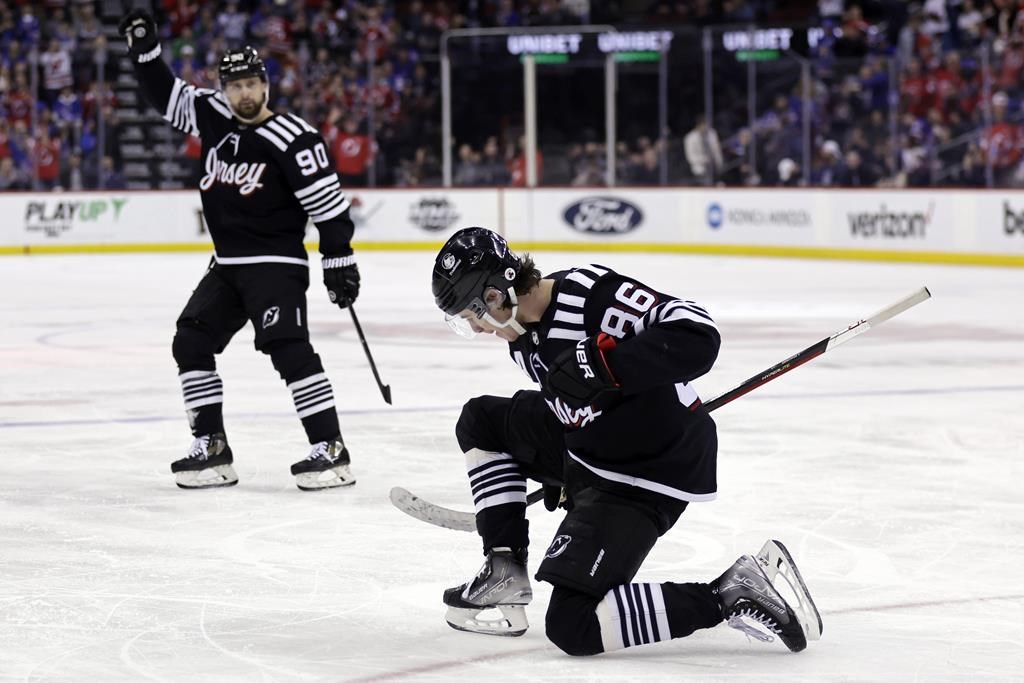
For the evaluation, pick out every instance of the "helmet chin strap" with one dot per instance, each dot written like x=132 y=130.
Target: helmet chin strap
x=511 y=322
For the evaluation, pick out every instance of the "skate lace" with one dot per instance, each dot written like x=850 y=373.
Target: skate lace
x=320 y=450
x=736 y=622
x=200 y=448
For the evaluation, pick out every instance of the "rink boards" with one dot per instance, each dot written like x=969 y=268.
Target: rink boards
x=951 y=226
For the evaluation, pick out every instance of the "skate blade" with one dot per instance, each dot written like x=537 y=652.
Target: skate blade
x=777 y=563
x=209 y=478
x=513 y=621
x=328 y=479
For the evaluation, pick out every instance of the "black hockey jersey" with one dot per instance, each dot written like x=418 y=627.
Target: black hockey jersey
x=259 y=182
x=655 y=435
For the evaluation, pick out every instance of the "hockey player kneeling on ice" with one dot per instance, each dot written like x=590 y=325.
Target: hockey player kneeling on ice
x=617 y=430
x=266 y=175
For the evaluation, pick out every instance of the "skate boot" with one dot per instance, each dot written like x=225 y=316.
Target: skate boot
x=207 y=465
x=325 y=467
x=502 y=584
x=751 y=602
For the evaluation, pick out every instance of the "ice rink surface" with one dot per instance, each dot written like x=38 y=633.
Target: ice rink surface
x=893 y=468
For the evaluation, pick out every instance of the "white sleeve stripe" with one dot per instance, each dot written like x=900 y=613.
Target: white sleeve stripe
x=572 y=318
x=172 y=101
x=571 y=300
x=577 y=276
x=318 y=185
x=181 y=107
x=283 y=120
x=679 y=305
x=299 y=120
x=333 y=213
x=329 y=191
x=681 y=314
x=221 y=107
x=263 y=132
x=325 y=205
x=285 y=134
x=325 y=194
x=560 y=333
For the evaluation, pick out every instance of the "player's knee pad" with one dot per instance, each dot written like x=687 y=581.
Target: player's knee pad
x=571 y=622
x=601 y=543
x=193 y=349
x=478 y=424
x=294 y=359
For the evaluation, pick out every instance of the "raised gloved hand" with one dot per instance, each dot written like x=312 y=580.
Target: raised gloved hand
x=139 y=29
x=580 y=375
x=341 y=277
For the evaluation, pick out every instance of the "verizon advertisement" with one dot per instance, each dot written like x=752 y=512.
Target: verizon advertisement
x=903 y=220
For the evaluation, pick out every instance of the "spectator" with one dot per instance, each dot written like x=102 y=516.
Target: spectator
x=492 y=167
x=11 y=177
x=46 y=157
x=517 y=164
x=1002 y=140
x=703 y=152
x=854 y=173
x=75 y=177
x=110 y=177
x=353 y=154
x=789 y=173
x=56 y=63
x=467 y=170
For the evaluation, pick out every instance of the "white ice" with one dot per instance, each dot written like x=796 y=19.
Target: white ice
x=893 y=468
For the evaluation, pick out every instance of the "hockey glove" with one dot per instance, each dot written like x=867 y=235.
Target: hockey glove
x=579 y=376
x=139 y=29
x=341 y=277
x=556 y=497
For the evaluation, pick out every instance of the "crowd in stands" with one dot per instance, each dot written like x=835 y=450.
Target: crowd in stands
x=365 y=72
x=953 y=70
x=49 y=115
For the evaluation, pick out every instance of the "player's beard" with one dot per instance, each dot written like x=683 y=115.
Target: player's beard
x=248 y=109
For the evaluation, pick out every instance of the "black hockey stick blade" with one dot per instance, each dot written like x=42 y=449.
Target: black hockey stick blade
x=385 y=389
x=431 y=513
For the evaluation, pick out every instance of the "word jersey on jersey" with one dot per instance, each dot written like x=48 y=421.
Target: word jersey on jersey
x=654 y=429
x=260 y=184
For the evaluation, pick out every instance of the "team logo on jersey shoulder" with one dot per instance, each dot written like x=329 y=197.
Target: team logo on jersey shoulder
x=271 y=316
x=558 y=546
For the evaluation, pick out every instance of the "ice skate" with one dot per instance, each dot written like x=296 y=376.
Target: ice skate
x=207 y=465
x=326 y=467
x=502 y=584
x=751 y=602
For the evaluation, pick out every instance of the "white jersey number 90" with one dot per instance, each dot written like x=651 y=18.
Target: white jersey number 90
x=312 y=160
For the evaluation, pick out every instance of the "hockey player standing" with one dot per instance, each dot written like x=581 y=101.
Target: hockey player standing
x=264 y=174
x=618 y=428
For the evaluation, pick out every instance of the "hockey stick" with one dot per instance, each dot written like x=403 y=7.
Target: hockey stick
x=428 y=512
x=385 y=389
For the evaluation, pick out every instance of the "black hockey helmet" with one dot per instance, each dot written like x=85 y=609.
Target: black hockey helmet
x=243 y=63
x=472 y=261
